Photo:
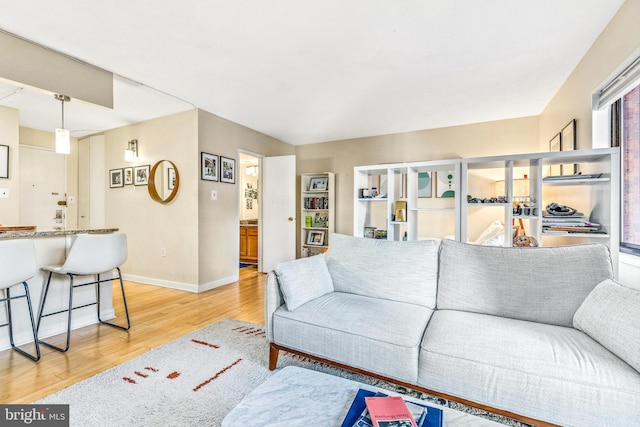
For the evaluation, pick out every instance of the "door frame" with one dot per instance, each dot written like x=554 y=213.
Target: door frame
x=241 y=195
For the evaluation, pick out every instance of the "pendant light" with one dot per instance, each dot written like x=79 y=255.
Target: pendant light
x=63 y=137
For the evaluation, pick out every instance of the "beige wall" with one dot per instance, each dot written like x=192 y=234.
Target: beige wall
x=619 y=40
x=218 y=221
x=481 y=139
x=151 y=226
x=9 y=136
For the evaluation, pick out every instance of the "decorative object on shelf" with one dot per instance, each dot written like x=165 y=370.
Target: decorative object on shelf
x=568 y=143
x=560 y=210
x=4 y=161
x=445 y=184
x=555 y=146
x=141 y=175
x=424 y=184
x=401 y=211
x=115 y=178
x=524 y=241
x=208 y=166
x=318 y=184
x=369 y=232
x=380 y=234
x=128 y=176
x=227 y=170
x=315 y=237
x=321 y=219
x=308 y=221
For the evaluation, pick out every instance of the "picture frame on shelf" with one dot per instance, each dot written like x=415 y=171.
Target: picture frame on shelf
x=4 y=161
x=568 y=143
x=116 y=179
x=141 y=175
x=321 y=219
x=445 y=184
x=315 y=237
x=318 y=184
x=424 y=185
x=227 y=170
x=555 y=145
x=128 y=175
x=209 y=166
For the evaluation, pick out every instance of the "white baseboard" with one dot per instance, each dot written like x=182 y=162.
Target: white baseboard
x=189 y=287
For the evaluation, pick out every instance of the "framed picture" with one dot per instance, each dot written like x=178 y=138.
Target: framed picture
x=115 y=178
x=128 y=176
x=424 y=184
x=315 y=237
x=171 y=178
x=554 y=145
x=318 y=183
x=321 y=219
x=568 y=143
x=4 y=161
x=141 y=175
x=208 y=166
x=227 y=170
x=445 y=184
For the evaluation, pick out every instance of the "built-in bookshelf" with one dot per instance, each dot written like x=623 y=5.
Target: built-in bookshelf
x=317 y=212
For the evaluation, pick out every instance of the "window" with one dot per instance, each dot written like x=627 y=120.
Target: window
x=630 y=170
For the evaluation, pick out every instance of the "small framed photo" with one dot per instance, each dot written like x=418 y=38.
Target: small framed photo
x=315 y=237
x=208 y=166
x=227 y=170
x=128 y=176
x=319 y=183
x=171 y=178
x=115 y=178
x=141 y=175
x=424 y=184
x=568 y=143
x=4 y=161
x=554 y=146
x=445 y=184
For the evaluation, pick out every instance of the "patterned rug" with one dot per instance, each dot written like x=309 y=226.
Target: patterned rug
x=194 y=380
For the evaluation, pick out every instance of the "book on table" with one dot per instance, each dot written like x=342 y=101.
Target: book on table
x=389 y=411
x=358 y=414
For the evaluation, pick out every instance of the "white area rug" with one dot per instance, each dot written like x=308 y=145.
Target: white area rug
x=194 y=380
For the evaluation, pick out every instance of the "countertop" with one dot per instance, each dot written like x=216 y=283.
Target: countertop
x=47 y=233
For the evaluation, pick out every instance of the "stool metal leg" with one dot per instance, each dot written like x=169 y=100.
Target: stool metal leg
x=124 y=300
x=68 y=310
x=8 y=299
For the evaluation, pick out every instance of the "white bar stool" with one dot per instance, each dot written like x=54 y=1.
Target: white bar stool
x=90 y=254
x=17 y=265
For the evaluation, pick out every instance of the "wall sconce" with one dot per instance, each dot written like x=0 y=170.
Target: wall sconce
x=132 y=150
x=63 y=136
x=252 y=170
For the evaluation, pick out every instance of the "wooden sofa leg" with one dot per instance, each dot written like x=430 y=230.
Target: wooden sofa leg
x=273 y=356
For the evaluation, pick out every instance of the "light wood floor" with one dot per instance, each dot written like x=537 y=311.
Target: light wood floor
x=158 y=315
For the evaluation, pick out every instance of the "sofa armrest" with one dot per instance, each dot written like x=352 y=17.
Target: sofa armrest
x=272 y=300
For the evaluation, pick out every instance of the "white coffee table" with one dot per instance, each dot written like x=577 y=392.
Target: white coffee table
x=296 y=397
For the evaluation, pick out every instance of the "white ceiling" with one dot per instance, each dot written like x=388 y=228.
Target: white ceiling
x=310 y=71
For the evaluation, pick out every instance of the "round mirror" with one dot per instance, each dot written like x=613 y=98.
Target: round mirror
x=164 y=181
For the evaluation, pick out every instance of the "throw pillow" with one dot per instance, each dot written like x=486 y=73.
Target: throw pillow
x=611 y=315
x=303 y=279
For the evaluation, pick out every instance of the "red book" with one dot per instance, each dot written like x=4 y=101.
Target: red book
x=389 y=411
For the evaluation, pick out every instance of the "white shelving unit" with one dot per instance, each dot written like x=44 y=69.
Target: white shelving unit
x=317 y=202
x=596 y=194
x=400 y=182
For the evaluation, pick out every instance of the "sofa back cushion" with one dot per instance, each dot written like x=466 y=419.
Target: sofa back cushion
x=545 y=284
x=397 y=271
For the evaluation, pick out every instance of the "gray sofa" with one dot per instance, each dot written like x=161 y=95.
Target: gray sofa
x=536 y=333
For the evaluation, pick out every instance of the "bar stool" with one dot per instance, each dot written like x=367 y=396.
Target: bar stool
x=17 y=265
x=90 y=254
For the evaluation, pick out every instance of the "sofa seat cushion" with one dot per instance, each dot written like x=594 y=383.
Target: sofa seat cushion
x=373 y=334
x=533 y=369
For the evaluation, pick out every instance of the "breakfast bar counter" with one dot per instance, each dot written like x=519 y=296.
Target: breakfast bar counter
x=51 y=248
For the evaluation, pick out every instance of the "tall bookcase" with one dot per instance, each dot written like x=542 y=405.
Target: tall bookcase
x=317 y=212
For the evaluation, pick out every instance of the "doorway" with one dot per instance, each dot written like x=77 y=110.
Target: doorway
x=249 y=180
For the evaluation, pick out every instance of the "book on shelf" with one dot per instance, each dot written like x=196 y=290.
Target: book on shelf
x=316 y=203
x=358 y=414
